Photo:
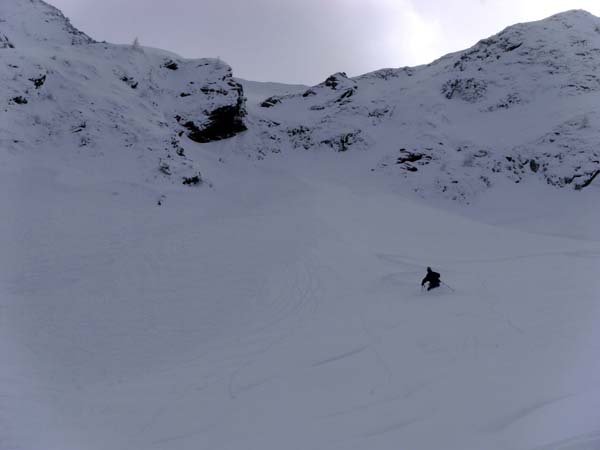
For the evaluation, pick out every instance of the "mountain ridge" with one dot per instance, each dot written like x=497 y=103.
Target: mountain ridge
x=451 y=129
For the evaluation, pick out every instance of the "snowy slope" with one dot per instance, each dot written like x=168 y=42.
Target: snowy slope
x=520 y=104
x=281 y=308
x=123 y=109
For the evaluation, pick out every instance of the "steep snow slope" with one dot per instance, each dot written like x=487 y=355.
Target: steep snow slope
x=124 y=109
x=281 y=308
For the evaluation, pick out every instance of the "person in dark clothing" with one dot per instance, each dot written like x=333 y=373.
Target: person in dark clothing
x=432 y=278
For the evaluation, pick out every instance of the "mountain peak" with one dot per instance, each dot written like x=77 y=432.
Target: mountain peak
x=25 y=23
x=573 y=14
x=576 y=20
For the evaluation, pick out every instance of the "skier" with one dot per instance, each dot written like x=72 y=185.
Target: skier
x=432 y=278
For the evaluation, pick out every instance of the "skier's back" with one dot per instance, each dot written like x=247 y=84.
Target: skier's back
x=432 y=278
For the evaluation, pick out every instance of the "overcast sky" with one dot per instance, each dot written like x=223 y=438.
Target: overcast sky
x=303 y=41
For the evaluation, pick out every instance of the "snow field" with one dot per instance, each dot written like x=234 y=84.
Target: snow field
x=283 y=309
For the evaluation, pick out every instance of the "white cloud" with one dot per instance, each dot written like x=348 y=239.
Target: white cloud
x=421 y=38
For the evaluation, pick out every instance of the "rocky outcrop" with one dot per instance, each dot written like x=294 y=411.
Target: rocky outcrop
x=469 y=89
x=223 y=122
x=213 y=109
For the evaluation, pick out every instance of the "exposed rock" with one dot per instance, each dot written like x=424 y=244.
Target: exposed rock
x=223 y=123
x=336 y=80
x=193 y=180
x=271 y=101
x=19 y=100
x=343 y=142
x=5 y=43
x=469 y=90
x=38 y=82
x=410 y=157
x=507 y=102
x=130 y=81
x=300 y=136
x=171 y=65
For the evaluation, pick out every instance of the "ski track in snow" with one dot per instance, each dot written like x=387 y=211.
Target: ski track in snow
x=589 y=441
x=338 y=357
x=505 y=422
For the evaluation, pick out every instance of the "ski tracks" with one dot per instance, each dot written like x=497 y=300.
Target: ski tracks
x=589 y=441
x=297 y=301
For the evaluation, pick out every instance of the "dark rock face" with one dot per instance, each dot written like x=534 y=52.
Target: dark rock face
x=19 y=100
x=223 y=123
x=212 y=107
x=171 y=65
x=193 y=180
x=335 y=80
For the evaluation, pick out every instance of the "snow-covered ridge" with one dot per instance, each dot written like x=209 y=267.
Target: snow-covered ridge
x=127 y=107
x=521 y=104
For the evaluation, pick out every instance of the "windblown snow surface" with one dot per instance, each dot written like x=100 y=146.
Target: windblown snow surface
x=277 y=305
